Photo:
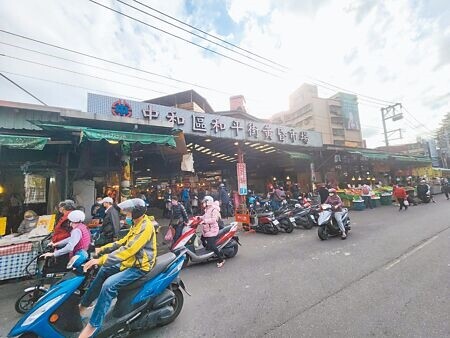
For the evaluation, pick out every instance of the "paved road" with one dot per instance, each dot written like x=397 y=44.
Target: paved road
x=390 y=278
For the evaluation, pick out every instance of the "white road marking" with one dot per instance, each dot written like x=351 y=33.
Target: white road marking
x=406 y=255
x=347 y=254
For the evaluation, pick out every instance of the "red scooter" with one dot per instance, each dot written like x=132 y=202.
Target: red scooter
x=227 y=243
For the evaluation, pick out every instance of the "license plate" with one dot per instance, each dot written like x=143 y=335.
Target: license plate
x=292 y=219
x=275 y=222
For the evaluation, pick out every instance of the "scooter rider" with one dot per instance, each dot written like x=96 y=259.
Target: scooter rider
x=210 y=228
x=336 y=203
x=122 y=262
x=80 y=237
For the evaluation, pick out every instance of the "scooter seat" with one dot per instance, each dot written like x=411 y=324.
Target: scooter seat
x=162 y=262
x=224 y=230
x=265 y=214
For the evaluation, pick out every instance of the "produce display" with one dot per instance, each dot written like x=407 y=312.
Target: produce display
x=354 y=194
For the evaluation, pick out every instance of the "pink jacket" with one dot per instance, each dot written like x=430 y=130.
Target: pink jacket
x=210 y=218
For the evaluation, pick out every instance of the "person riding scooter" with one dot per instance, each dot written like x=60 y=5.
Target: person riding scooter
x=336 y=203
x=424 y=192
x=80 y=237
x=122 y=262
x=210 y=228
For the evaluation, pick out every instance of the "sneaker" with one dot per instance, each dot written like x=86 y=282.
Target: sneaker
x=344 y=236
x=219 y=265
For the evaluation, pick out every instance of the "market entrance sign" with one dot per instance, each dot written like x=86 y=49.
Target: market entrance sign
x=208 y=125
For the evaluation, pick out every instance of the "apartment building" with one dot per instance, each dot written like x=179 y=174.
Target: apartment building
x=337 y=117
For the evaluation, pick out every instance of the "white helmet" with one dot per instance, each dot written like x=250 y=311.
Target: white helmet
x=208 y=200
x=76 y=216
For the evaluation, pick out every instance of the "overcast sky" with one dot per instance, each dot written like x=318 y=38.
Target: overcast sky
x=395 y=51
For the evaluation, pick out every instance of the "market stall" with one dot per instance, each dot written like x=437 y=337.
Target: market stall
x=352 y=199
x=16 y=252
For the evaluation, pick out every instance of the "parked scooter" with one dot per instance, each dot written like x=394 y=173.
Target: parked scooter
x=153 y=300
x=303 y=217
x=328 y=226
x=264 y=222
x=283 y=216
x=227 y=243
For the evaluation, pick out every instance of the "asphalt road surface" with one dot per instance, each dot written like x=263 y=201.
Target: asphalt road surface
x=390 y=278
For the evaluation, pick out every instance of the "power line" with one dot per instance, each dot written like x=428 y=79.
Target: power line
x=80 y=73
x=417 y=120
x=71 y=85
x=198 y=35
x=88 y=65
x=17 y=85
x=113 y=62
x=211 y=35
x=183 y=39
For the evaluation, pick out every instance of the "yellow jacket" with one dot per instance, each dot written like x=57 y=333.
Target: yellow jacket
x=137 y=249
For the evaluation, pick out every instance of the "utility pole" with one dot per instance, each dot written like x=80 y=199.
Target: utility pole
x=391 y=112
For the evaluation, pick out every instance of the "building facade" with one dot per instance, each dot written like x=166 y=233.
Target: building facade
x=336 y=118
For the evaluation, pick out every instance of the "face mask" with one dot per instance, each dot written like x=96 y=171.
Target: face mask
x=129 y=220
x=29 y=218
x=331 y=194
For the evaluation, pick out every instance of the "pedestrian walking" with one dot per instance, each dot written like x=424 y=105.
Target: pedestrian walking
x=445 y=187
x=400 y=194
x=366 y=195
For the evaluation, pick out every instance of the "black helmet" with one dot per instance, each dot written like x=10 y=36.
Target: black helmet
x=68 y=205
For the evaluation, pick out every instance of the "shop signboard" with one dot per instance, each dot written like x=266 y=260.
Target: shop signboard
x=208 y=125
x=242 y=178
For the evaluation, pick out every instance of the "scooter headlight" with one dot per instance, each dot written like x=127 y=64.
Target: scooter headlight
x=41 y=310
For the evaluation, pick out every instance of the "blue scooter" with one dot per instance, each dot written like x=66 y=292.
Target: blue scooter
x=153 y=300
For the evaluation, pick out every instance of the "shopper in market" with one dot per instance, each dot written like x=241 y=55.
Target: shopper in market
x=401 y=195
x=224 y=200
x=122 y=262
x=98 y=210
x=29 y=222
x=80 y=237
x=178 y=219
x=186 y=198
x=111 y=223
x=366 y=192
x=336 y=203
x=323 y=193
x=445 y=187
x=62 y=227
x=210 y=228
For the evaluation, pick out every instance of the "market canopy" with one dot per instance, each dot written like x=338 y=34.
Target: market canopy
x=92 y=134
x=404 y=158
x=113 y=135
x=23 y=142
x=371 y=155
x=298 y=156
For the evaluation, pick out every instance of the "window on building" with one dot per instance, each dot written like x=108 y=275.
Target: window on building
x=338 y=132
x=339 y=142
x=337 y=120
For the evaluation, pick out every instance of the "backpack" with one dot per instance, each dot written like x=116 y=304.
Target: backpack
x=365 y=190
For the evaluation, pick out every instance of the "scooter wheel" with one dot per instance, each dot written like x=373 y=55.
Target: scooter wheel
x=289 y=228
x=322 y=233
x=27 y=300
x=177 y=305
x=233 y=252
x=309 y=224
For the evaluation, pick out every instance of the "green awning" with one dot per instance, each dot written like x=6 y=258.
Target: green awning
x=113 y=135
x=298 y=156
x=23 y=142
x=404 y=158
x=375 y=156
x=91 y=134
